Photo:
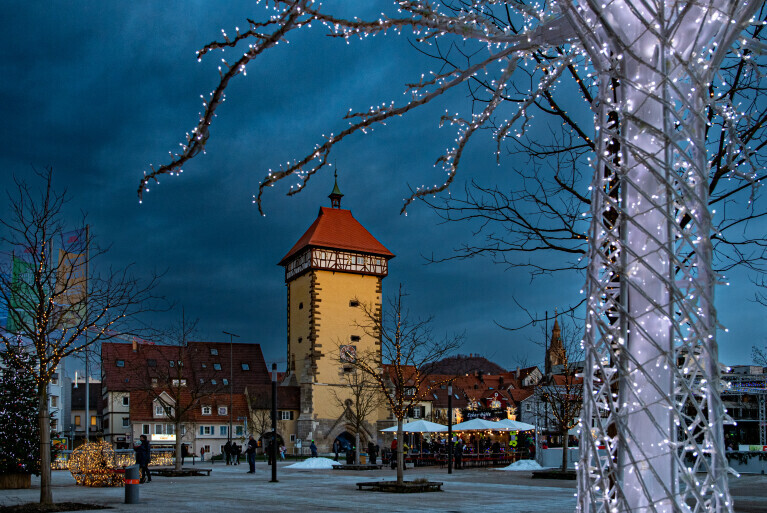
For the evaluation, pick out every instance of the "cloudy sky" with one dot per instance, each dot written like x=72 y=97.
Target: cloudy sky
x=99 y=91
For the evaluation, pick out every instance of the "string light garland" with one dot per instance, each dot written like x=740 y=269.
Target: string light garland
x=651 y=383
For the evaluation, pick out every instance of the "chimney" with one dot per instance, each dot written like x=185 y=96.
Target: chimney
x=500 y=381
x=518 y=372
x=135 y=345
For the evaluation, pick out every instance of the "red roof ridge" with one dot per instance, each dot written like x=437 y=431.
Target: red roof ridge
x=336 y=228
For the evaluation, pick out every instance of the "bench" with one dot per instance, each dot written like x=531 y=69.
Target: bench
x=184 y=472
x=405 y=487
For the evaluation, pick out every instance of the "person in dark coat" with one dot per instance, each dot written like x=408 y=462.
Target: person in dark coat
x=458 y=453
x=251 y=454
x=372 y=452
x=143 y=455
x=313 y=448
x=228 y=452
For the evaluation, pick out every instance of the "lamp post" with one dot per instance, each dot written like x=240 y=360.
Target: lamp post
x=274 y=423
x=450 y=428
x=231 y=380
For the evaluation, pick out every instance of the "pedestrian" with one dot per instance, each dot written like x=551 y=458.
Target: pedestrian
x=371 y=453
x=202 y=453
x=228 y=452
x=313 y=448
x=458 y=453
x=336 y=447
x=143 y=455
x=282 y=452
x=184 y=451
x=394 y=453
x=250 y=452
x=237 y=452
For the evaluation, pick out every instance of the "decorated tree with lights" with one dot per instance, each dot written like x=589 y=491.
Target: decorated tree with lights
x=61 y=304
x=19 y=431
x=651 y=376
x=358 y=398
x=401 y=369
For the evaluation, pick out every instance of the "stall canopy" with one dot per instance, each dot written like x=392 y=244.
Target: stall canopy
x=515 y=425
x=480 y=425
x=418 y=426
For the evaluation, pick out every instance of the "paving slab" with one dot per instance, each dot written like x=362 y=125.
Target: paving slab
x=231 y=489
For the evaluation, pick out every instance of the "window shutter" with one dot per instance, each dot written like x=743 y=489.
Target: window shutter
x=423 y=412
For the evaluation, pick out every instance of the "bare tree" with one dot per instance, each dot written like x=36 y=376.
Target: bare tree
x=561 y=390
x=259 y=401
x=359 y=397
x=59 y=304
x=169 y=375
x=408 y=349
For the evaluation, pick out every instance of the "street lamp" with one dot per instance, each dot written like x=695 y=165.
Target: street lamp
x=274 y=423
x=450 y=428
x=231 y=380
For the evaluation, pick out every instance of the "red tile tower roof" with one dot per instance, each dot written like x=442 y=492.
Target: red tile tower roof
x=336 y=228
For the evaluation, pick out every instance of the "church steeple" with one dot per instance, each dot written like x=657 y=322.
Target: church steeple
x=335 y=196
x=556 y=352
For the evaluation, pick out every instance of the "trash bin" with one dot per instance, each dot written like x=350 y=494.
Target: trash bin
x=363 y=459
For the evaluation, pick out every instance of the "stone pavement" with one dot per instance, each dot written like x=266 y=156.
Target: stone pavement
x=230 y=489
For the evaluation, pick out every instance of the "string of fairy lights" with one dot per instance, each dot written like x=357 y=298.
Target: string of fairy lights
x=97 y=464
x=652 y=416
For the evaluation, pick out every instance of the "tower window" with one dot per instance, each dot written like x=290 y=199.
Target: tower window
x=354 y=303
x=300 y=339
x=300 y=306
x=355 y=338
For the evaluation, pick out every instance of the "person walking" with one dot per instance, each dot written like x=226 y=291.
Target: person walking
x=143 y=455
x=282 y=452
x=313 y=448
x=228 y=452
x=372 y=453
x=202 y=453
x=336 y=448
x=250 y=452
x=458 y=453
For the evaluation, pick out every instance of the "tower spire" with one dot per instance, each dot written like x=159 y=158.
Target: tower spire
x=335 y=196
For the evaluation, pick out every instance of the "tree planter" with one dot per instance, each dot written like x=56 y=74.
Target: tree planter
x=14 y=481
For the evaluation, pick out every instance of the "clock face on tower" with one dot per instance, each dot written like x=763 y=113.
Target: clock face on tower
x=348 y=353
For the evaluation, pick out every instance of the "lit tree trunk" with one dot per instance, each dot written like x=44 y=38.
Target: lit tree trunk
x=44 y=422
x=357 y=445
x=565 y=442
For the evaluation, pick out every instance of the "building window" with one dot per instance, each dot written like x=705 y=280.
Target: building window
x=528 y=407
x=54 y=401
x=158 y=429
x=286 y=415
x=55 y=424
x=120 y=363
x=126 y=422
x=144 y=429
x=171 y=363
x=214 y=352
x=238 y=430
x=204 y=365
x=207 y=410
x=77 y=420
x=206 y=430
x=126 y=400
x=202 y=381
x=300 y=306
x=223 y=410
x=217 y=366
x=159 y=410
x=300 y=339
x=176 y=382
x=154 y=382
x=410 y=391
x=292 y=438
x=223 y=430
x=245 y=366
x=151 y=362
x=93 y=420
x=55 y=378
x=225 y=381
x=354 y=303
x=213 y=382
x=355 y=338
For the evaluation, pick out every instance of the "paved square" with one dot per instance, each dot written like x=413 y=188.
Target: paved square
x=230 y=489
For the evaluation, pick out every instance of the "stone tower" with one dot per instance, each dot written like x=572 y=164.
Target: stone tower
x=335 y=267
x=555 y=355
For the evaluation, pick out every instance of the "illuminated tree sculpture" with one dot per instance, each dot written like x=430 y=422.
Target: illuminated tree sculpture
x=651 y=381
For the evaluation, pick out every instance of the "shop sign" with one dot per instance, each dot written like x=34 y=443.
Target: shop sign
x=163 y=438
x=484 y=413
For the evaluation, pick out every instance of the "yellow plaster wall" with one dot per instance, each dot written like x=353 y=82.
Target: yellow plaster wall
x=337 y=321
x=299 y=291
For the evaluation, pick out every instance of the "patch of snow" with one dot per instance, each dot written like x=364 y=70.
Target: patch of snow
x=314 y=464
x=523 y=465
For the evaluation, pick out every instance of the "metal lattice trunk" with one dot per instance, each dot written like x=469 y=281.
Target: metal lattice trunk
x=651 y=437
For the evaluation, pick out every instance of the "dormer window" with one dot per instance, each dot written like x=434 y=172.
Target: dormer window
x=217 y=366
x=207 y=410
x=214 y=352
x=120 y=363
x=245 y=366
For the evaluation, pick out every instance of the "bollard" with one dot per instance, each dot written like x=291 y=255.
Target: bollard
x=132 y=475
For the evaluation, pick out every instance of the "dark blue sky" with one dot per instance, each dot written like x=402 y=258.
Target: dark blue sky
x=99 y=91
